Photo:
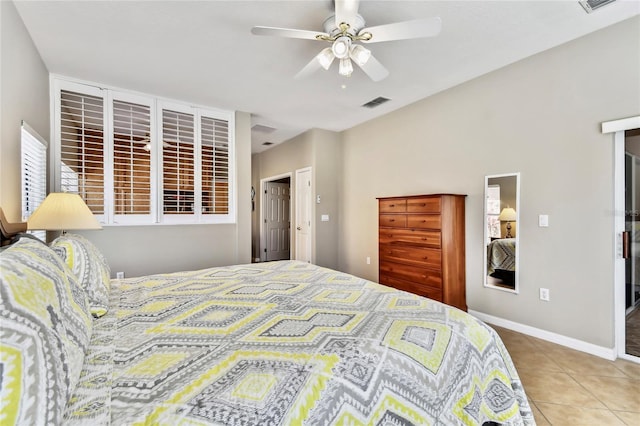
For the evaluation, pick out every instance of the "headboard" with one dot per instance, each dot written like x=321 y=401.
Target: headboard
x=8 y=229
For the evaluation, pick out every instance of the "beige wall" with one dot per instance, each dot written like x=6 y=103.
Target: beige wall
x=540 y=117
x=327 y=172
x=24 y=95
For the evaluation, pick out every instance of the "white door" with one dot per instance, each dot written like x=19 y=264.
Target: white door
x=303 y=215
x=278 y=221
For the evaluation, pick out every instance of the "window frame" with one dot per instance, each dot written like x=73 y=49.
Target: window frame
x=156 y=217
x=130 y=219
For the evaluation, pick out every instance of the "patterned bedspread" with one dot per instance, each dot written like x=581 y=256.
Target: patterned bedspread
x=501 y=254
x=290 y=343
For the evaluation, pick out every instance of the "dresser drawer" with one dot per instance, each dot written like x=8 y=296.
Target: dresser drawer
x=411 y=236
x=428 y=221
x=424 y=205
x=412 y=273
x=417 y=256
x=393 y=206
x=430 y=292
x=393 y=220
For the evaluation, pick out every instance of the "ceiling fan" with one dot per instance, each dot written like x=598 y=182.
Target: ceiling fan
x=344 y=29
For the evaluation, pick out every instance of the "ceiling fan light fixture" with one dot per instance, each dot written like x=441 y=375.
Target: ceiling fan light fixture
x=325 y=58
x=346 y=67
x=341 y=47
x=360 y=54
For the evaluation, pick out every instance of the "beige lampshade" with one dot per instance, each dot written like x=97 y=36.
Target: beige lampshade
x=62 y=211
x=507 y=215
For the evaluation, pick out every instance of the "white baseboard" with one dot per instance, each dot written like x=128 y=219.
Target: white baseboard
x=570 y=342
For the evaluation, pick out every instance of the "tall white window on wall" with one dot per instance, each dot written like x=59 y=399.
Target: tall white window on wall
x=33 y=154
x=493 y=211
x=139 y=160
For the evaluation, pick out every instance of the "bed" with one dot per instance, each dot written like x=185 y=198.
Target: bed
x=281 y=343
x=501 y=259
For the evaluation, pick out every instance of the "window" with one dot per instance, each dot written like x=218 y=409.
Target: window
x=140 y=160
x=82 y=144
x=33 y=154
x=131 y=159
x=493 y=211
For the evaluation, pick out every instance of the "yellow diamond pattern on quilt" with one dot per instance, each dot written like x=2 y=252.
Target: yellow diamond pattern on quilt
x=155 y=364
x=423 y=341
x=255 y=386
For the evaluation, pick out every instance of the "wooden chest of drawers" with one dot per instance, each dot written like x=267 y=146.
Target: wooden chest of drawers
x=422 y=246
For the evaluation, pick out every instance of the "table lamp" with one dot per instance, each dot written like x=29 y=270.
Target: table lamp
x=508 y=215
x=61 y=211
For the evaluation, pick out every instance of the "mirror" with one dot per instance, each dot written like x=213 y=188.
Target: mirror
x=501 y=217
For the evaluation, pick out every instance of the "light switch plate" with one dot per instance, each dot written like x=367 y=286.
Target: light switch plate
x=543 y=220
x=324 y=218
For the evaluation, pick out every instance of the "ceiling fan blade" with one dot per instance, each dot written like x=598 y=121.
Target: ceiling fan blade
x=346 y=11
x=418 y=28
x=374 y=69
x=287 y=32
x=310 y=68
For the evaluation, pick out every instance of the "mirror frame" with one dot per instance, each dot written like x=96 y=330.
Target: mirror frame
x=516 y=288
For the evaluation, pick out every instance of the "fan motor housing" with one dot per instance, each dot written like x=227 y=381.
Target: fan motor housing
x=330 y=27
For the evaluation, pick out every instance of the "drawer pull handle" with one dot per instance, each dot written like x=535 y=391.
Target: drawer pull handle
x=423 y=204
x=425 y=258
x=424 y=220
x=392 y=205
x=392 y=220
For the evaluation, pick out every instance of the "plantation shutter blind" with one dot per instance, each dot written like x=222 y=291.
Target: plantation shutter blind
x=178 y=174
x=82 y=147
x=131 y=158
x=215 y=165
x=34 y=170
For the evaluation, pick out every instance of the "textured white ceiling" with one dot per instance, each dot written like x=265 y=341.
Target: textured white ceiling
x=203 y=51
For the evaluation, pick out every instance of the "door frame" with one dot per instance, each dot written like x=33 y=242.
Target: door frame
x=263 y=197
x=311 y=239
x=618 y=127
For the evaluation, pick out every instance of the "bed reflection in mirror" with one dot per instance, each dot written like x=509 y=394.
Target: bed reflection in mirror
x=501 y=214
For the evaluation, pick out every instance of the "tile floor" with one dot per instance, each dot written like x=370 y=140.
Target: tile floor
x=568 y=387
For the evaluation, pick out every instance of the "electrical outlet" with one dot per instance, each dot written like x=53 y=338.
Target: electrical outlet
x=368 y=260
x=120 y=275
x=544 y=294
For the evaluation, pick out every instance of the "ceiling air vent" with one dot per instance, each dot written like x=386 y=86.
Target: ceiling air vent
x=376 y=102
x=591 y=5
x=262 y=129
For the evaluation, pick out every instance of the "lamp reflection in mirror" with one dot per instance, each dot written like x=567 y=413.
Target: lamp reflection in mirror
x=62 y=211
x=508 y=215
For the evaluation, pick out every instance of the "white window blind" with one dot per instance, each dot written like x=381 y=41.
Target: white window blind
x=215 y=165
x=178 y=159
x=131 y=158
x=82 y=147
x=34 y=173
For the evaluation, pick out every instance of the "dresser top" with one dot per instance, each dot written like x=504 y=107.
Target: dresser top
x=420 y=196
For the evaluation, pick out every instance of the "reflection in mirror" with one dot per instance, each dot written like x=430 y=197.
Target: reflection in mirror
x=501 y=216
